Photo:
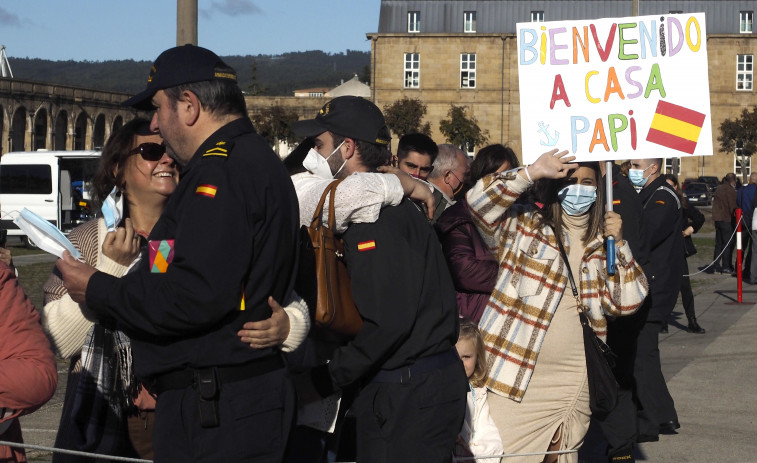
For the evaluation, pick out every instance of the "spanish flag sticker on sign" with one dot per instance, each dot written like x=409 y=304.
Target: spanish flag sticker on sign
x=366 y=246
x=676 y=127
x=207 y=190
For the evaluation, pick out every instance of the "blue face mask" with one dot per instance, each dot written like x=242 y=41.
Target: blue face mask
x=577 y=199
x=636 y=176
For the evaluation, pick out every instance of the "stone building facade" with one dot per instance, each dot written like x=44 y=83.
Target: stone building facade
x=440 y=45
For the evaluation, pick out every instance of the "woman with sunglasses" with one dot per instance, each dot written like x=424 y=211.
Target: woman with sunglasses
x=105 y=409
x=531 y=325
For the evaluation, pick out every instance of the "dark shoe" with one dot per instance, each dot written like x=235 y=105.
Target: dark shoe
x=728 y=270
x=623 y=457
x=669 y=427
x=694 y=327
x=664 y=328
x=709 y=270
x=646 y=438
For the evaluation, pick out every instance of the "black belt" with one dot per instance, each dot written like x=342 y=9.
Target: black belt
x=181 y=379
x=403 y=375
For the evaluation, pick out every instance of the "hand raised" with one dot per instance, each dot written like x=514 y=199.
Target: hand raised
x=122 y=245
x=552 y=164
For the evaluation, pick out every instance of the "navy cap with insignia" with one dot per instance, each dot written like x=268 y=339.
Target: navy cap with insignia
x=348 y=116
x=178 y=66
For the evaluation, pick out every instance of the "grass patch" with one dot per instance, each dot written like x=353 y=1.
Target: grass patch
x=32 y=277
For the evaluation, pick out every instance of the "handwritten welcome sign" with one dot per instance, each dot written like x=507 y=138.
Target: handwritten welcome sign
x=615 y=88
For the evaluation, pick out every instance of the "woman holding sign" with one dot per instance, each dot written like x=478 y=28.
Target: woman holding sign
x=534 y=339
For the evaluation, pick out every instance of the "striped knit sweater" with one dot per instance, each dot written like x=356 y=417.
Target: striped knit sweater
x=532 y=278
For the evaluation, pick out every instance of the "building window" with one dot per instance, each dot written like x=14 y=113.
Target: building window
x=537 y=16
x=744 y=72
x=745 y=22
x=468 y=70
x=315 y=94
x=737 y=160
x=412 y=70
x=669 y=166
x=470 y=21
x=414 y=21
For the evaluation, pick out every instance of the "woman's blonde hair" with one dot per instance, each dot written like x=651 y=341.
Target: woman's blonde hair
x=469 y=330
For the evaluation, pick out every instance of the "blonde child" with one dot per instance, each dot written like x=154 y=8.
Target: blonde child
x=479 y=436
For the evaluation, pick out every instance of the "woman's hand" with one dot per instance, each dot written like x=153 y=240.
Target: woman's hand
x=552 y=164
x=613 y=226
x=688 y=231
x=122 y=245
x=414 y=189
x=270 y=332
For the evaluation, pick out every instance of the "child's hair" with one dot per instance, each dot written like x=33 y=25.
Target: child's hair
x=469 y=330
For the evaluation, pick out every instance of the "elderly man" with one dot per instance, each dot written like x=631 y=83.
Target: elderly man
x=449 y=177
x=723 y=207
x=227 y=240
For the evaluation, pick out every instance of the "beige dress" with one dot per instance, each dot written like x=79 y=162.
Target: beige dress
x=558 y=393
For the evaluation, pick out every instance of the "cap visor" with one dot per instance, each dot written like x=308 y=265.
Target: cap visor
x=142 y=100
x=308 y=128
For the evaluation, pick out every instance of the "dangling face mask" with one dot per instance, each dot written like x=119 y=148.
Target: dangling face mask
x=577 y=199
x=636 y=176
x=45 y=235
x=318 y=165
x=113 y=209
x=457 y=192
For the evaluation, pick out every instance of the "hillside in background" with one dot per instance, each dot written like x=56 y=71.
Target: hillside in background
x=260 y=74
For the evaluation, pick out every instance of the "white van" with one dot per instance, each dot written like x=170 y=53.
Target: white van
x=54 y=184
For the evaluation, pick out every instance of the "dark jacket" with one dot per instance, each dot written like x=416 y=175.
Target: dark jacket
x=472 y=265
x=229 y=232
x=662 y=219
x=724 y=203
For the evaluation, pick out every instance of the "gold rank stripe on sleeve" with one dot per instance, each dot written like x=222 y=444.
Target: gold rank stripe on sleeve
x=366 y=246
x=207 y=190
x=216 y=151
x=659 y=201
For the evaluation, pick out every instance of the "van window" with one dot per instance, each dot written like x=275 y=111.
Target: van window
x=26 y=179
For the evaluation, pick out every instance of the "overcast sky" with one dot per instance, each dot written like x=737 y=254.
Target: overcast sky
x=98 y=30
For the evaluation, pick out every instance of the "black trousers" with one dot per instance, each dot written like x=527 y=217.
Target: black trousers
x=416 y=422
x=256 y=416
x=655 y=404
x=687 y=295
x=723 y=231
x=619 y=427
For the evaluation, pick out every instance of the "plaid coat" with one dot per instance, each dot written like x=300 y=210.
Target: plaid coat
x=532 y=278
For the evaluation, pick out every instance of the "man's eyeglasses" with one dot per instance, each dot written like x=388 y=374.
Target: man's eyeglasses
x=149 y=151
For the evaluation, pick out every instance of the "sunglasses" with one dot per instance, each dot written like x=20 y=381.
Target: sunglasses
x=149 y=151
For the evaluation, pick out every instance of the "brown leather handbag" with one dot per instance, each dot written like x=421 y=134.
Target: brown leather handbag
x=334 y=308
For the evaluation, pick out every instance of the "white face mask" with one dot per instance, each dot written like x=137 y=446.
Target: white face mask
x=113 y=209
x=44 y=234
x=318 y=165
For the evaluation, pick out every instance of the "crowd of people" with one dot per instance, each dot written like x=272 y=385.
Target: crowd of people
x=190 y=335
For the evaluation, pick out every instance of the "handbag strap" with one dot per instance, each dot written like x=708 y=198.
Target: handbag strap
x=318 y=214
x=567 y=265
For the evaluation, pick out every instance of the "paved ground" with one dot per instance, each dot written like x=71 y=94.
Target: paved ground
x=710 y=376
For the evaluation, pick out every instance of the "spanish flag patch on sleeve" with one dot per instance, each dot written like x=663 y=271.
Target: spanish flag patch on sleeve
x=616 y=202
x=659 y=201
x=366 y=246
x=206 y=190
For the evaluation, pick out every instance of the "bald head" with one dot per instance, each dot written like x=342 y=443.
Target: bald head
x=753 y=177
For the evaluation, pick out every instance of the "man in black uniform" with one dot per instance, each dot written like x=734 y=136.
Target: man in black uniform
x=662 y=217
x=619 y=427
x=225 y=242
x=412 y=405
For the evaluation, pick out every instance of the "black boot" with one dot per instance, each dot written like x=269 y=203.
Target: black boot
x=694 y=326
x=664 y=328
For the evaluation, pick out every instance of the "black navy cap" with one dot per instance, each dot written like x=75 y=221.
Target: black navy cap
x=178 y=66
x=348 y=116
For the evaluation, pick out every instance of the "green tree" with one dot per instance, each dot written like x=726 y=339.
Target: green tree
x=461 y=130
x=406 y=116
x=274 y=124
x=255 y=88
x=740 y=136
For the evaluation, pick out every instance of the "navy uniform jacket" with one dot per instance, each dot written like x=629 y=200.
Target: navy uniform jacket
x=662 y=219
x=404 y=292
x=627 y=204
x=231 y=225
